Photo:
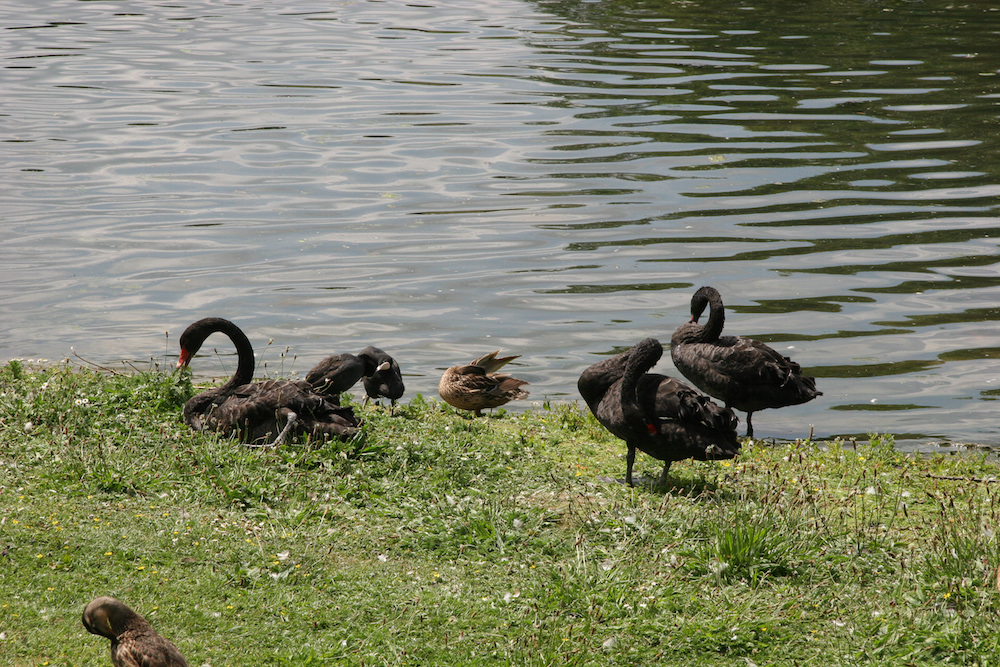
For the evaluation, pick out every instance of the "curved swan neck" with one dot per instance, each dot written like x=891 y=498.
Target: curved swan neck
x=193 y=337
x=709 y=296
x=642 y=357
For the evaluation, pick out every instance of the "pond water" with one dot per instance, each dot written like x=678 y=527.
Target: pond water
x=444 y=178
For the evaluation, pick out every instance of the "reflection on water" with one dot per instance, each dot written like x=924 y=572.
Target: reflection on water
x=552 y=178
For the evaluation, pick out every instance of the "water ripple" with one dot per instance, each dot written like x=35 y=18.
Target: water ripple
x=551 y=178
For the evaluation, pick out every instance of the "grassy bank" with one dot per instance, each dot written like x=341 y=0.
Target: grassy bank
x=443 y=540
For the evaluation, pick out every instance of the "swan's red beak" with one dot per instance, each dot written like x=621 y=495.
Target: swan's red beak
x=651 y=427
x=183 y=360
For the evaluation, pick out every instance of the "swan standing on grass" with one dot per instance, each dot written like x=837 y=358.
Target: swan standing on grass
x=259 y=413
x=656 y=414
x=743 y=373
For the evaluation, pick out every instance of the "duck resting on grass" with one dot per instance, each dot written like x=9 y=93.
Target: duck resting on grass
x=741 y=372
x=260 y=414
x=477 y=385
x=656 y=414
x=134 y=642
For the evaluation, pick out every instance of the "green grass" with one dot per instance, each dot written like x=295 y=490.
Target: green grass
x=443 y=540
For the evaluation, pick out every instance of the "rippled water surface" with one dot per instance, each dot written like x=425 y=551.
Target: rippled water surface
x=552 y=178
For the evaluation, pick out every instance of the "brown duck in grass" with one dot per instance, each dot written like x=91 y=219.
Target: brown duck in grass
x=656 y=414
x=476 y=386
x=134 y=642
x=743 y=373
x=259 y=413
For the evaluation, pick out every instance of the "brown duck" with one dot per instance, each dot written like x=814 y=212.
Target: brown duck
x=477 y=385
x=134 y=642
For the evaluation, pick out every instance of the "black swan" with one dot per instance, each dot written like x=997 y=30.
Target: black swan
x=743 y=373
x=659 y=415
x=258 y=412
x=338 y=373
x=477 y=385
x=133 y=639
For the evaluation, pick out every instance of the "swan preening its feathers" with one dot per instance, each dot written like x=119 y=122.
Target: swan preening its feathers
x=741 y=372
x=669 y=420
x=654 y=413
x=477 y=385
x=259 y=412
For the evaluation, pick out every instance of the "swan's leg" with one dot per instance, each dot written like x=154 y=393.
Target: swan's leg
x=663 y=475
x=629 y=462
x=289 y=424
x=280 y=440
x=749 y=425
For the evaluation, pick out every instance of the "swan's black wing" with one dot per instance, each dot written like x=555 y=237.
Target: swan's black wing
x=744 y=373
x=689 y=423
x=258 y=411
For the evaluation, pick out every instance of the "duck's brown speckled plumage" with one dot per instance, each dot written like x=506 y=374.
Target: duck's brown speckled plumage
x=743 y=373
x=654 y=413
x=134 y=642
x=258 y=411
x=476 y=385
